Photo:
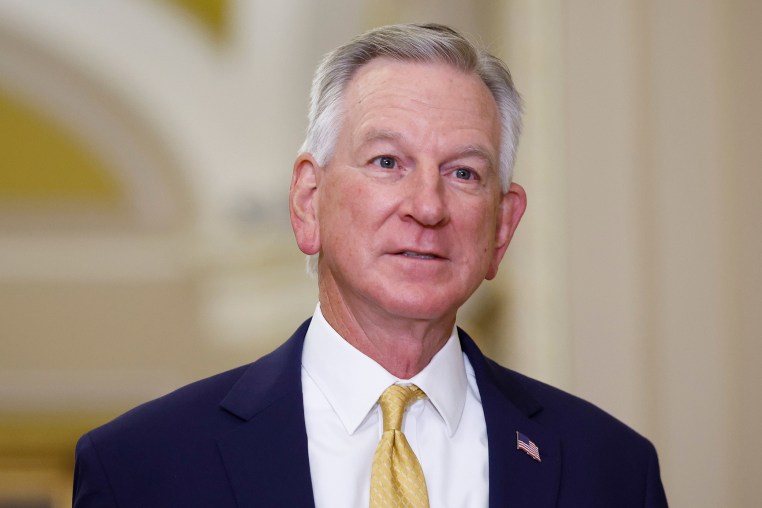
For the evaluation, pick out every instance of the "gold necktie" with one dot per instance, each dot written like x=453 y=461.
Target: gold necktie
x=396 y=479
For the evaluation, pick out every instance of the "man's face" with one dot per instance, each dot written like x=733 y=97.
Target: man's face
x=409 y=213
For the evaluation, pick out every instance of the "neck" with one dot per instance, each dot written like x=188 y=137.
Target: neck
x=402 y=346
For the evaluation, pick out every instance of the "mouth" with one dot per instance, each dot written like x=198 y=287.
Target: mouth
x=418 y=255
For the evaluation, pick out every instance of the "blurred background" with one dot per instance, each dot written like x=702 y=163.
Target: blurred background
x=145 y=154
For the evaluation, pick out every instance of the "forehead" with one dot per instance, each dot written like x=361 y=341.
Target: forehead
x=424 y=93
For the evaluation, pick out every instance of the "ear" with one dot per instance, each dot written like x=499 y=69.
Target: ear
x=511 y=209
x=303 y=204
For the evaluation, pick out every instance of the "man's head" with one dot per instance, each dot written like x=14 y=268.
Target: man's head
x=402 y=194
x=428 y=43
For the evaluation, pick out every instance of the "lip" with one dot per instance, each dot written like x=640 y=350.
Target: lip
x=419 y=254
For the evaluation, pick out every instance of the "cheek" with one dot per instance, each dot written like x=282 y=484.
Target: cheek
x=477 y=234
x=480 y=222
x=368 y=204
x=345 y=212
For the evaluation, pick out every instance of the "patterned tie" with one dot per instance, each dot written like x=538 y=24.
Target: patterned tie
x=396 y=479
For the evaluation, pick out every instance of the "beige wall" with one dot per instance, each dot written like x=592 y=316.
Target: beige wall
x=144 y=240
x=658 y=109
x=657 y=157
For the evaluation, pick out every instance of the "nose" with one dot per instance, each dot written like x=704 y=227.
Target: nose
x=425 y=200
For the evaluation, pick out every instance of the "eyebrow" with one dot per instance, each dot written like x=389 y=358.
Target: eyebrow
x=381 y=135
x=477 y=151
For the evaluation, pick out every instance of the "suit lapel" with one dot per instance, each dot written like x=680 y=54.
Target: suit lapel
x=515 y=478
x=266 y=457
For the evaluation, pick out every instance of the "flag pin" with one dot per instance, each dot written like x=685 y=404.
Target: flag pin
x=525 y=444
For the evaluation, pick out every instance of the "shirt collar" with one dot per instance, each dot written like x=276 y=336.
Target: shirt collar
x=352 y=382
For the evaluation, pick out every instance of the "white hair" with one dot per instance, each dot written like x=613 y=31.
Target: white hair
x=423 y=43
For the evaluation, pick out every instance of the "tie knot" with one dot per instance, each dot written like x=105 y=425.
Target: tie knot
x=394 y=401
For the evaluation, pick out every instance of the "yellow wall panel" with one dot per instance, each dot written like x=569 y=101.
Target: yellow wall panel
x=40 y=160
x=212 y=14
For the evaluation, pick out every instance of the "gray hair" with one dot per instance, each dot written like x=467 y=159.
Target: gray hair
x=424 y=43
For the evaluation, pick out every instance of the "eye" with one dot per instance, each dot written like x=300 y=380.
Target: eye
x=464 y=174
x=385 y=162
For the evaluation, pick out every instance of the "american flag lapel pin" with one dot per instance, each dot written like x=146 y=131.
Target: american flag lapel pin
x=525 y=444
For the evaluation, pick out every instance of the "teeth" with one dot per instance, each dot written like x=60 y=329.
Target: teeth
x=417 y=255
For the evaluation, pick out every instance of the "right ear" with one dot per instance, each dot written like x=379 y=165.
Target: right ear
x=302 y=204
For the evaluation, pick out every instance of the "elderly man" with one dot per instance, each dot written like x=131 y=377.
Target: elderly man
x=403 y=196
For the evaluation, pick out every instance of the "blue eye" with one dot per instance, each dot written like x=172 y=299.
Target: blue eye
x=385 y=162
x=464 y=174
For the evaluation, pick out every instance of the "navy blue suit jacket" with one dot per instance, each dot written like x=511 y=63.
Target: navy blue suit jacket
x=239 y=439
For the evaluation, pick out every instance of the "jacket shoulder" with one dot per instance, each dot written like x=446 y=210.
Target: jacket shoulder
x=165 y=452
x=123 y=462
x=605 y=462
x=189 y=401
x=203 y=401
x=569 y=414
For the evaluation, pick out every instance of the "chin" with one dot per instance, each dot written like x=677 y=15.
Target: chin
x=421 y=305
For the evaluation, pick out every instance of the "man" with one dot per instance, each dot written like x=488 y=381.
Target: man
x=402 y=193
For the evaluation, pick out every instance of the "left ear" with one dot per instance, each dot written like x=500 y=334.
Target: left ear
x=511 y=209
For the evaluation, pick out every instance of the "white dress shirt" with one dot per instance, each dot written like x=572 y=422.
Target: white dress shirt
x=447 y=430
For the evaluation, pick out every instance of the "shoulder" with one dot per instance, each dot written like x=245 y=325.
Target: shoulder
x=199 y=399
x=199 y=406
x=154 y=444
x=603 y=460
x=591 y=438
x=554 y=409
x=571 y=415
x=160 y=435
x=169 y=447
